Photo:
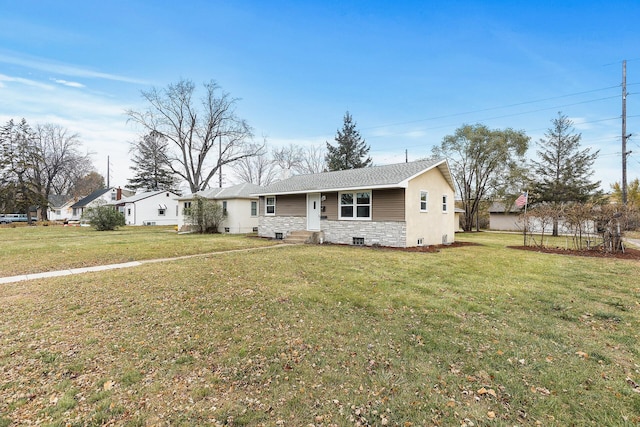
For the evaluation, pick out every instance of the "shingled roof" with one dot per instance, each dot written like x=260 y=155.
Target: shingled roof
x=239 y=191
x=388 y=176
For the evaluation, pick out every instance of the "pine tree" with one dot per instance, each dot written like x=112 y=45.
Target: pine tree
x=563 y=171
x=351 y=151
x=151 y=164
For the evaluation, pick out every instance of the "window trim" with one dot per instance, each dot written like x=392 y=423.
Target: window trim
x=355 y=205
x=267 y=205
x=426 y=201
x=254 y=208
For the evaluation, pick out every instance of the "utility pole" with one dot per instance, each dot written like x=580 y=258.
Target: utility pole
x=220 y=159
x=624 y=132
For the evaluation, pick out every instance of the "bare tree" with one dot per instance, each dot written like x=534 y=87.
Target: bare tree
x=288 y=158
x=58 y=157
x=313 y=160
x=258 y=169
x=206 y=135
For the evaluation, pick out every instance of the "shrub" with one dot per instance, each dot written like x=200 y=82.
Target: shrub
x=104 y=218
x=205 y=215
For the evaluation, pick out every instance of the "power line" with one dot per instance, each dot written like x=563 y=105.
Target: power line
x=493 y=108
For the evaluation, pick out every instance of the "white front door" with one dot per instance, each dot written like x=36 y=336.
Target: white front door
x=313 y=211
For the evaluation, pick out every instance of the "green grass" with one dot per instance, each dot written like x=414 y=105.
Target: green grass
x=329 y=335
x=36 y=249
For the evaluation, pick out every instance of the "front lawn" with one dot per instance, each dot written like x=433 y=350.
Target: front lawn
x=328 y=336
x=27 y=250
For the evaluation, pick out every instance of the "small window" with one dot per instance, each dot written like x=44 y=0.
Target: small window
x=128 y=211
x=187 y=208
x=227 y=229
x=224 y=207
x=444 y=203
x=254 y=208
x=424 y=198
x=255 y=229
x=279 y=236
x=420 y=241
x=270 y=205
x=161 y=212
x=358 y=241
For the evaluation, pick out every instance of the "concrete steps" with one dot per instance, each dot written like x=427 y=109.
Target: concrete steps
x=299 y=237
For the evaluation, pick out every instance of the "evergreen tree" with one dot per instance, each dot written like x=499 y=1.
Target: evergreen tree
x=151 y=164
x=563 y=171
x=351 y=151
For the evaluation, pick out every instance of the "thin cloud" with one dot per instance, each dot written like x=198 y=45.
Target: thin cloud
x=68 y=83
x=27 y=82
x=64 y=69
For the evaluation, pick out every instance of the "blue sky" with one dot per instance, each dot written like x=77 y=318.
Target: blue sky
x=409 y=72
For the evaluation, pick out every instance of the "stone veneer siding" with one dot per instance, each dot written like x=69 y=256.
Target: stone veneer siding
x=384 y=233
x=268 y=226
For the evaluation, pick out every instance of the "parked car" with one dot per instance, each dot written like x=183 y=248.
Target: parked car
x=9 y=218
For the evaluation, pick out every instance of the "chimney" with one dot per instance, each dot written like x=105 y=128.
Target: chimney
x=118 y=193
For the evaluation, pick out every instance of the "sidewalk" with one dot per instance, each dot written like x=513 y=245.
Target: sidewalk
x=68 y=272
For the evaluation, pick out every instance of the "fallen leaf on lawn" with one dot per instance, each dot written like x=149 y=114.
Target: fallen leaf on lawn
x=482 y=391
x=491 y=415
x=500 y=352
x=108 y=385
x=451 y=403
x=582 y=354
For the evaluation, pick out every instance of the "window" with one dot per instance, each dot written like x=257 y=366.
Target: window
x=358 y=241
x=270 y=206
x=128 y=211
x=444 y=203
x=254 y=208
x=187 y=208
x=424 y=198
x=224 y=207
x=161 y=211
x=355 y=205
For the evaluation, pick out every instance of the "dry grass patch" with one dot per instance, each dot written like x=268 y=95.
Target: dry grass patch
x=328 y=335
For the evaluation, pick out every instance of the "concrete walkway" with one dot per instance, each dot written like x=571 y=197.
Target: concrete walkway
x=58 y=273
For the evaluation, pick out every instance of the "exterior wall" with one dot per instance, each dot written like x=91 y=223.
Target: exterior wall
x=238 y=220
x=384 y=233
x=505 y=221
x=388 y=205
x=291 y=205
x=434 y=225
x=329 y=206
x=145 y=211
x=65 y=212
x=270 y=225
x=513 y=222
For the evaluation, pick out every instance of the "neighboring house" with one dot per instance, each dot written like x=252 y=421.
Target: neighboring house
x=399 y=205
x=158 y=207
x=99 y=197
x=503 y=219
x=59 y=208
x=240 y=206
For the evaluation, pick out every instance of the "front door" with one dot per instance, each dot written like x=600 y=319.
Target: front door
x=313 y=211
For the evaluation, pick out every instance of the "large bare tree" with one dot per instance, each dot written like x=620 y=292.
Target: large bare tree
x=206 y=134
x=59 y=161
